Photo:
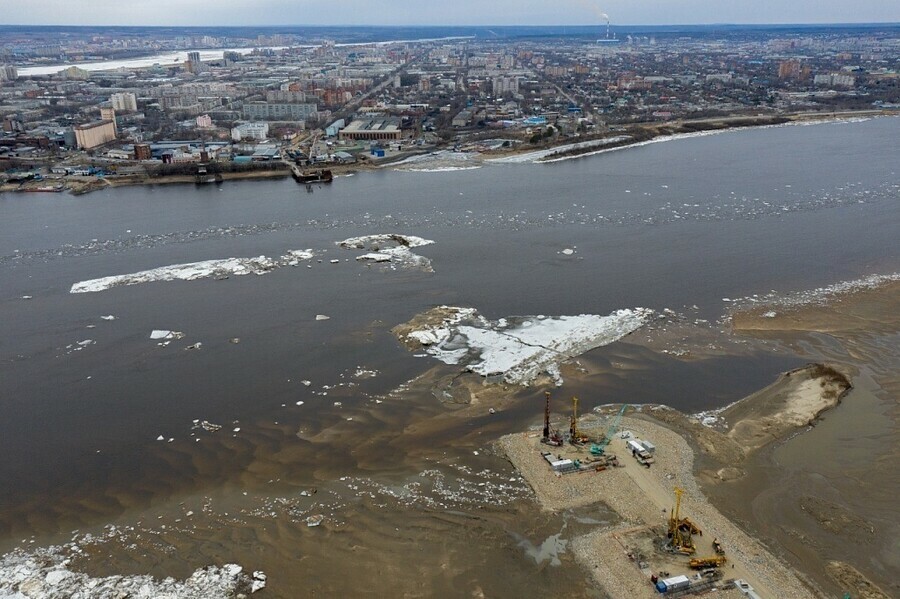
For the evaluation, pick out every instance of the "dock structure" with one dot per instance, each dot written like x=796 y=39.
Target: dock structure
x=318 y=176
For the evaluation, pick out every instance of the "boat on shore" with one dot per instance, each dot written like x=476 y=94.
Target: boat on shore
x=203 y=176
x=317 y=176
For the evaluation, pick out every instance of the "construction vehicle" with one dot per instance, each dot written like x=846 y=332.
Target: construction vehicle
x=701 y=563
x=600 y=446
x=681 y=530
x=717 y=547
x=575 y=436
x=644 y=457
x=551 y=437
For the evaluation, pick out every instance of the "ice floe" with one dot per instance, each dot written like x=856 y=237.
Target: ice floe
x=45 y=573
x=180 y=272
x=165 y=334
x=521 y=348
x=294 y=257
x=390 y=248
x=206 y=425
x=368 y=240
x=195 y=270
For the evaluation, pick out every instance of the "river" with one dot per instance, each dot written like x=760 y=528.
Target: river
x=688 y=225
x=178 y=57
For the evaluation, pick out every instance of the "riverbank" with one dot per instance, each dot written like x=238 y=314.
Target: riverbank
x=79 y=185
x=616 y=138
x=443 y=159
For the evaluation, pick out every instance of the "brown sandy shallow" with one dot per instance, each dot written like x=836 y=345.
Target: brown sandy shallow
x=828 y=496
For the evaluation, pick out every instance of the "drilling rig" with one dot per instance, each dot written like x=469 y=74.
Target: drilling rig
x=575 y=436
x=681 y=529
x=551 y=437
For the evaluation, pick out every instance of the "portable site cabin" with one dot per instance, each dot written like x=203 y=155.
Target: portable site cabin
x=676 y=583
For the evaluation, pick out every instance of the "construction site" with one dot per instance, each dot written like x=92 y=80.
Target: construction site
x=670 y=540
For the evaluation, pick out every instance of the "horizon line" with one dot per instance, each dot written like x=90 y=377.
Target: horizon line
x=436 y=26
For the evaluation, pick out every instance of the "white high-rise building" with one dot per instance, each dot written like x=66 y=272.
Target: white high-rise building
x=124 y=102
x=8 y=72
x=504 y=85
x=256 y=131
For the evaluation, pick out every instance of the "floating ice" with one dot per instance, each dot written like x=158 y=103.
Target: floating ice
x=45 y=573
x=368 y=240
x=307 y=254
x=180 y=272
x=165 y=334
x=316 y=520
x=818 y=296
x=206 y=425
x=527 y=346
x=390 y=248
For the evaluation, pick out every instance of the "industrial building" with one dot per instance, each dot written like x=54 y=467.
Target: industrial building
x=108 y=113
x=93 y=135
x=75 y=73
x=385 y=128
x=334 y=128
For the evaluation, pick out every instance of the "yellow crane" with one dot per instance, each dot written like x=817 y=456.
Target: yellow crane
x=700 y=563
x=681 y=529
x=574 y=435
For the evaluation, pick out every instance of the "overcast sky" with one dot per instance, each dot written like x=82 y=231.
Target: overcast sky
x=441 y=12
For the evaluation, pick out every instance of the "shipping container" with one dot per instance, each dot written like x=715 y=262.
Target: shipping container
x=676 y=583
x=634 y=446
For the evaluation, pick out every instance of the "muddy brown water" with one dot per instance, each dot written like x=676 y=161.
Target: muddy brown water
x=829 y=493
x=79 y=428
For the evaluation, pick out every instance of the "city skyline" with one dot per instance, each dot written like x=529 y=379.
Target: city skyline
x=460 y=13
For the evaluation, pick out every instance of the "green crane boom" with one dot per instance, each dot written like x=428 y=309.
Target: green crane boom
x=600 y=446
